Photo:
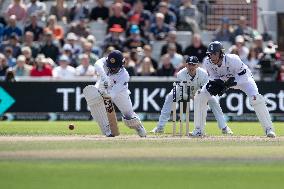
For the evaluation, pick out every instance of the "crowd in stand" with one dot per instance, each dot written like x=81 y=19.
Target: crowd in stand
x=35 y=41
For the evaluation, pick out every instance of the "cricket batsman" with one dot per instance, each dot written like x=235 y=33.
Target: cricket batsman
x=112 y=81
x=195 y=77
x=226 y=71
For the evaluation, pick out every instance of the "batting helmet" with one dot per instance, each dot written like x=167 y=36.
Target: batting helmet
x=192 y=60
x=215 y=47
x=115 y=59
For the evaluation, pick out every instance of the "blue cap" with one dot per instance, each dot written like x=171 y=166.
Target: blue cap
x=134 y=29
x=192 y=60
x=115 y=59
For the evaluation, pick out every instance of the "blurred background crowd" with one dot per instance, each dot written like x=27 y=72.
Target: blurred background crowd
x=63 y=39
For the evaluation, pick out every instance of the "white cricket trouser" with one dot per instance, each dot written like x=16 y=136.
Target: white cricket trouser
x=167 y=107
x=124 y=104
x=248 y=86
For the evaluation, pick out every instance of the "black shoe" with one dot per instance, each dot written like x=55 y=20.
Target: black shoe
x=111 y=135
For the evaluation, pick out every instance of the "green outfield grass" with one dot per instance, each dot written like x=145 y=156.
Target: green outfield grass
x=47 y=155
x=89 y=128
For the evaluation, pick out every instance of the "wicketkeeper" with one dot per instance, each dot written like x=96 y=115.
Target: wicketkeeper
x=195 y=78
x=112 y=81
x=226 y=71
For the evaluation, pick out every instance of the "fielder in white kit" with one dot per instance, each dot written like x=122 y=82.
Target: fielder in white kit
x=226 y=71
x=195 y=78
x=113 y=81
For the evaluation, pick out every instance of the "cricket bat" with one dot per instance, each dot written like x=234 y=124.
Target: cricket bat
x=111 y=115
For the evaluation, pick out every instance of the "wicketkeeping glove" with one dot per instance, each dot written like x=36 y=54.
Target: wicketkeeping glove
x=216 y=87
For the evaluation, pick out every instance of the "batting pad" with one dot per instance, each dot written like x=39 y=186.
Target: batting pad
x=133 y=123
x=98 y=111
x=200 y=111
x=262 y=113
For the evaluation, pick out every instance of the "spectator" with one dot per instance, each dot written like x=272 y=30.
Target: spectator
x=173 y=5
x=147 y=50
x=243 y=29
x=18 y=9
x=78 y=11
x=27 y=52
x=240 y=47
x=114 y=38
x=67 y=50
x=95 y=49
x=172 y=38
x=167 y=69
x=21 y=68
x=34 y=28
x=126 y=7
x=80 y=28
x=13 y=42
x=41 y=68
x=197 y=48
x=146 y=68
x=159 y=30
x=64 y=70
x=189 y=16
x=176 y=59
x=10 y=76
x=8 y=51
x=225 y=31
x=135 y=58
x=12 y=28
x=134 y=40
x=89 y=51
x=38 y=8
x=57 y=30
x=100 y=11
x=85 y=69
x=170 y=17
x=117 y=18
x=49 y=48
x=29 y=42
x=139 y=16
x=72 y=40
x=258 y=42
x=3 y=65
x=129 y=64
x=60 y=10
x=252 y=62
x=108 y=50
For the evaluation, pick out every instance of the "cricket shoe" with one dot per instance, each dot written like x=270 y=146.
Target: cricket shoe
x=227 y=131
x=141 y=131
x=110 y=135
x=270 y=133
x=196 y=133
x=157 y=130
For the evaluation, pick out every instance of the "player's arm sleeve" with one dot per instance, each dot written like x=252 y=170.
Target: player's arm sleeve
x=239 y=70
x=203 y=78
x=99 y=67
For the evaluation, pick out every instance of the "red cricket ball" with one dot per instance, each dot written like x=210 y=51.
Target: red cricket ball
x=71 y=126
